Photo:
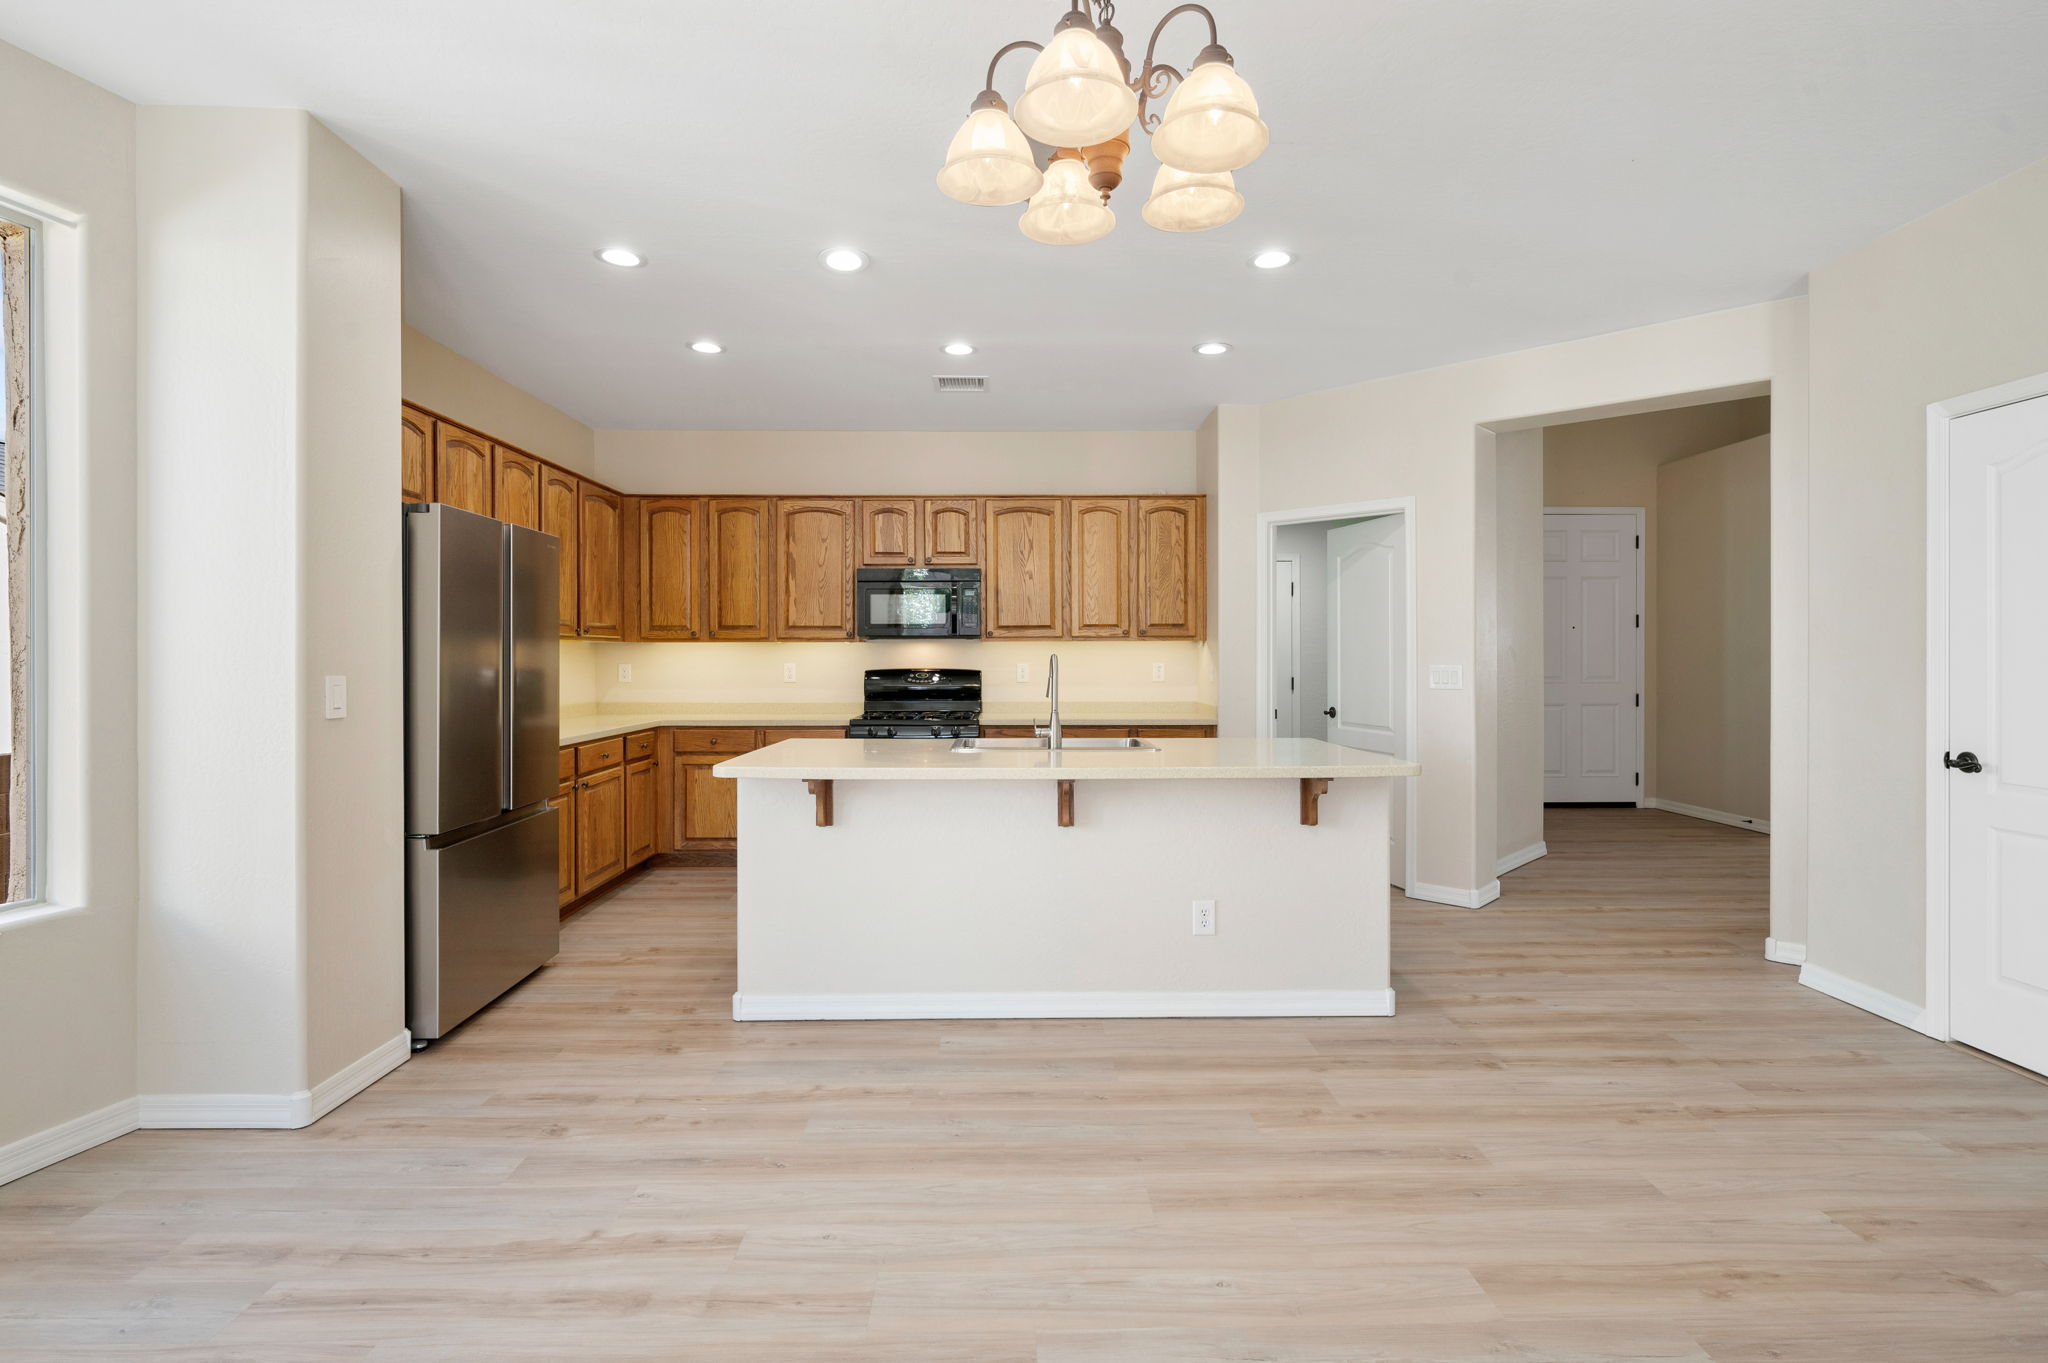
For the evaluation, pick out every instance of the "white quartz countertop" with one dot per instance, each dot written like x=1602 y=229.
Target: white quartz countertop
x=587 y=728
x=1177 y=759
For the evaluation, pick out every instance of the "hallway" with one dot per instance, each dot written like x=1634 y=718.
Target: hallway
x=1601 y=1128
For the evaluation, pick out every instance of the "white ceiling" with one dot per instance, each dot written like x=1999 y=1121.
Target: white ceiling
x=1458 y=178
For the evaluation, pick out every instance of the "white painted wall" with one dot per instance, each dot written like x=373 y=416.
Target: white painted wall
x=962 y=463
x=458 y=388
x=1517 y=629
x=1952 y=303
x=67 y=1003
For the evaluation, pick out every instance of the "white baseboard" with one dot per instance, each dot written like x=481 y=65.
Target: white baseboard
x=1274 y=1003
x=281 y=1111
x=66 y=1139
x=1463 y=899
x=1887 y=1006
x=1515 y=860
x=1711 y=815
x=1785 y=953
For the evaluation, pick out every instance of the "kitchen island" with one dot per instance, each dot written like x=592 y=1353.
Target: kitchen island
x=904 y=879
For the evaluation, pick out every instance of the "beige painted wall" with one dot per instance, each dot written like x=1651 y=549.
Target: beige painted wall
x=1517 y=628
x=458 y=388
x=1714 y=652
x=67 y=1006
x=1947 y=305
x=1614 y=462
x=967 y=463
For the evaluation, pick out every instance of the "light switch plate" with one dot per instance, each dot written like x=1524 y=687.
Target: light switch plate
x=1446 y=677
x=334 y=693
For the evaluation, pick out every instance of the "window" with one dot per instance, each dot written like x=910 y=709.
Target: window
x=16 y=372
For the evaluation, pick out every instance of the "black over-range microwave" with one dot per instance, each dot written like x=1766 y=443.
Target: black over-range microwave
x=918 y=603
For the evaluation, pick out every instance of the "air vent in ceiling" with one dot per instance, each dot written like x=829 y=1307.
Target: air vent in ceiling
x=960 y=383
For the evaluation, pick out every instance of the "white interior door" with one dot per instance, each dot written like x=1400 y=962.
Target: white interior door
x=1998 y=675
x=1592 y=689
x=1365 y=606
x=1286 y=661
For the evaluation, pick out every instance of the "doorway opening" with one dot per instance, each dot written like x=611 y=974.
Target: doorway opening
x=1337 y=638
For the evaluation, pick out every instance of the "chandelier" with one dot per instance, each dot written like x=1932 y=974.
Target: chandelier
x=1080 y=100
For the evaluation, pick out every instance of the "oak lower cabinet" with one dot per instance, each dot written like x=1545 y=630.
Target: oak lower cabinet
x=600 y=525
x=669 y=552
x=817 y=542
x=643 y=813
x=1099 y=567
x=1172 y=568
x=560 y=513
x=463 y=472
x=564 y=805
x=707 y=809
x=738 y=559
x=515 y=481
x=415 y=456
x=600 y=827
x=1024 y=575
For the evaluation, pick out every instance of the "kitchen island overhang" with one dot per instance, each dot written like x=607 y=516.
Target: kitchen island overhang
x=901 y=879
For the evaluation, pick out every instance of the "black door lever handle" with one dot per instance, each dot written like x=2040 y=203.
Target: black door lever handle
x=1962 y=761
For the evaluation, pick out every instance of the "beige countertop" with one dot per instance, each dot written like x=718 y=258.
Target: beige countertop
x=585 y=727
x=1177 y=759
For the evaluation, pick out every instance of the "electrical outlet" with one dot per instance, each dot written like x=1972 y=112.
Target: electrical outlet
x=789 y=672
x=625 y=671
x=1023 y=672
x=335 y=694
x=1205 y=918
x=1159 y=672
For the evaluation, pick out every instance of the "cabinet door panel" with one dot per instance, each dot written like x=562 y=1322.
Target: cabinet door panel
x=814 y=571
x=599 y=525
x=642 y=817
x=462 y=468
x=517 y=480
x=415 y=456
x=1100 y=568
x=737 y=567
x=671 y=589
x=710 y=803
x=558 y=517
x=1026 y=549
x=951 y=532
x=888 y=534
x=1172 y=568
x=600 y=828
x=564 y=805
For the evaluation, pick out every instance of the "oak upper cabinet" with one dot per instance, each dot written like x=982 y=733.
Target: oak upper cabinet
x=738 y=600
x=950 y=532
x=1024 y=569
x=415 y=455
x=599 y=523
x=559 y=516
x=814 y=568
x=671 y=551
x=1099 y=567
x=516 y=479
x=600 y=827
x=1172 y=589
x=462 y=469
x=642 y=814
x=888 y=534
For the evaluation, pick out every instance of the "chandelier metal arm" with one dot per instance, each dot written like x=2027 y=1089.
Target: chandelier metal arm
x=1156 y=79
x=1004 y=51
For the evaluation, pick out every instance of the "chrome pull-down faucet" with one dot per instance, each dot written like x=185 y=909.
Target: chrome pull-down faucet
x=1051 y=730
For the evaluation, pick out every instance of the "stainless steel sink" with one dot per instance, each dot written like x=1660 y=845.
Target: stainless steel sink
x=1040 y=744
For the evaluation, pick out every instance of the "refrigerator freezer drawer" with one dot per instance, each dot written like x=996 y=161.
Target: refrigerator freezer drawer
x=480 y=917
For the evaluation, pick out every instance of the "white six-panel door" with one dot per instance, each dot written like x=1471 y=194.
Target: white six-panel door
x=1998 y=713
x=1592 y=688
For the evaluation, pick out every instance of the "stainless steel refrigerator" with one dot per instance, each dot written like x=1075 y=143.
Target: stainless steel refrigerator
x=481 y=729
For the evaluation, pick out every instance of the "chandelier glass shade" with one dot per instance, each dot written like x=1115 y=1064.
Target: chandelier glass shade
x=1067 y=210
x=1211 y=123
x=989 y=163
x=1188 y=201
x=1081 y=96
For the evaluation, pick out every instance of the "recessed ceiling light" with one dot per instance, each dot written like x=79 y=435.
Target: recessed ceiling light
x=958 y=348
x=1212 y=348
x=621 y=257
x=707 y=347
x=1273 y=260
x=844 y=259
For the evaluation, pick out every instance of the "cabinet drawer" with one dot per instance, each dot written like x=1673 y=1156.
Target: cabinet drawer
x=716 y=740
x=1094 y=731
x=606 y=752
x=640 y=745
x=1177 y=731
x=777 y=735
x=568 y=765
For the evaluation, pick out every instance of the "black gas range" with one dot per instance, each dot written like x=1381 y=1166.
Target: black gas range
x=912 y=702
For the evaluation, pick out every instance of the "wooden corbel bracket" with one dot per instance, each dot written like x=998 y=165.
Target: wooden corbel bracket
x=1313 y=789
x=823 y=791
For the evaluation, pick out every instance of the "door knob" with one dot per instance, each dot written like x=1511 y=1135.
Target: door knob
x=1331 y=712
x=1962 y=761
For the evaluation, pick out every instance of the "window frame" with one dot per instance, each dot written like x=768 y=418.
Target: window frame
x=24 y=233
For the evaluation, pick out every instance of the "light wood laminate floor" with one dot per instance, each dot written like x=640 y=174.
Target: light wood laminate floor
x=1602 y=1128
